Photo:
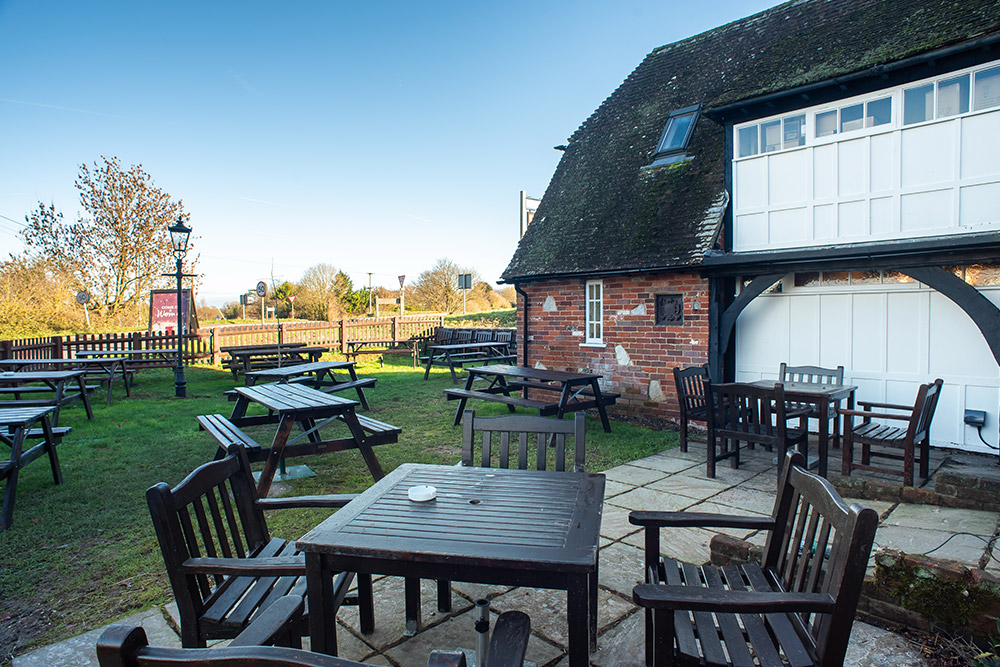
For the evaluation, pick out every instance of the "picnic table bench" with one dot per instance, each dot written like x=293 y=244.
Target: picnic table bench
x=246 y=358
x=17 y=425
x=318 y=375
x=455 y=355
x=353 y=348
x=105 y=370
x=43 y=381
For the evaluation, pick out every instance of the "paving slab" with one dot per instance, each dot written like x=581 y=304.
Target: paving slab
x=966 y=549
x=738 y=497
x=950 y=519
x=690 y=487
x=614 y=522
x=548 y=610
x=871 y=646
x=622 y=645
x=713 y=507
x=691 y=545
x=633 y=475
x=612 y=488
x=620 y=568
x=648 y=499
x=664 y=463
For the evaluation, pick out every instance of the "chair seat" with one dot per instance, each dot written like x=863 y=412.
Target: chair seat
x=880 y=434
x=733 y=640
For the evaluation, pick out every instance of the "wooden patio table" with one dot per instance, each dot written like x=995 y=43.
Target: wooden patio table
x=108 y=369
x=454 y=355
x=243 y=359
x=820 y=395
x=15 y=428
x=577 y=391
x=318 y=375
x=54 y=381
x=290 y=403
x=486 y=525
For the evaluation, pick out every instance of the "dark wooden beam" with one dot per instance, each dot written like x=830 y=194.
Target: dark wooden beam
x=727 y=322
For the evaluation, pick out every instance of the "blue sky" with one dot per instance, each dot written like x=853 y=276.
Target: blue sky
x=377 y=137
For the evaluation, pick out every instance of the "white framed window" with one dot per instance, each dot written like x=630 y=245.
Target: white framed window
x=595 y=312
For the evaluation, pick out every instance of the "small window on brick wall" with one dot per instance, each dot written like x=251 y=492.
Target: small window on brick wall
x=595 y=312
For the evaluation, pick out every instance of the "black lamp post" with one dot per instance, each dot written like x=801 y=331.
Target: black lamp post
x=178 y=240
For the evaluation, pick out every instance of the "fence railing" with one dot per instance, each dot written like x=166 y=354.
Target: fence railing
x=205 y=344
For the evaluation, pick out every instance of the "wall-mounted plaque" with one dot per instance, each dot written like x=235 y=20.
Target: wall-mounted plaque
x=669 y=309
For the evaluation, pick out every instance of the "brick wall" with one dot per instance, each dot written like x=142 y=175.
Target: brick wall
x=638 y=356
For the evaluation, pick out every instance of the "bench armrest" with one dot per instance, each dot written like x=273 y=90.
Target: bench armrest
x=332 y=500
x=256 y=567
x=272 y=624
x=698 y=598
x=874 y=415
x=651 y=519
x=892 y=406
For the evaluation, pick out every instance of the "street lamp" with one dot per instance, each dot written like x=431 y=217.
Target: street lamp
x=178 y=240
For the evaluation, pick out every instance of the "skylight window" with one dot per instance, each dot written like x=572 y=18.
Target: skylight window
x=676 y=135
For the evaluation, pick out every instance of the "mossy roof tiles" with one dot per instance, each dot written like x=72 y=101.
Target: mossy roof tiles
x=603 y=211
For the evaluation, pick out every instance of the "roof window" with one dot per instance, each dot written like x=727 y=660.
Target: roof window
x=676 y=135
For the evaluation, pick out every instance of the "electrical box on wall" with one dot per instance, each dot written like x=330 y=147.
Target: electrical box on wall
x=975 y=418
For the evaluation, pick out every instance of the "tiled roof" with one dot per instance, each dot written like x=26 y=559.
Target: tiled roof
x=603 y=211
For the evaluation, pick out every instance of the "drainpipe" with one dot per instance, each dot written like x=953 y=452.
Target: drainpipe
x=524 y=296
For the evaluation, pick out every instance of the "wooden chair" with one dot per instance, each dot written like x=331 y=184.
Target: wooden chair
x=127 y=645
x=690 y=384
x=223 y=565
x=890 y=439
x=794 y=608
x=740 y=412
x=814 y=375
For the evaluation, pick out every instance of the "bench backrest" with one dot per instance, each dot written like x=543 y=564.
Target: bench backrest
x=212 y=513
x=745 y=413
x=461 y=336
x=923 y=410
x=483 y=336
x=507 y=441
x=819 y=545
x=811 y=374
x=690 y=385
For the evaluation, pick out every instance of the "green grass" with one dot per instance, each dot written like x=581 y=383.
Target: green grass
x=83 y=554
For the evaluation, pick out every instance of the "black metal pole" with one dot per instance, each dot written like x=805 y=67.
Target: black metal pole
x=180 y=384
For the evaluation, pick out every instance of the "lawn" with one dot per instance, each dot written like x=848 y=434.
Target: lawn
x=83 y=554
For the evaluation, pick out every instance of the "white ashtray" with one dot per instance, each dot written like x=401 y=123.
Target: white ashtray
x=420 y=494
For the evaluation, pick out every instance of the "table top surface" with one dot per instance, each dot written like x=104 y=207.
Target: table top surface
x=23 y=416
x=17 y=363
x=530 y=373
x=812 y=388
x=293 y=397
x=522 y=519
x=40 y=376
x=124 y=354
x=290 y=349
x=299 y=369
x=248 y=348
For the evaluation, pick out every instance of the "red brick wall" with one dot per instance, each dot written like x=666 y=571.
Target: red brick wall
x=648 y=352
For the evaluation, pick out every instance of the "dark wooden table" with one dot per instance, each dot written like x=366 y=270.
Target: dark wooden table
x=16 y=427
x=820 y=395
x=45 y=381
x=318 y=375
x=486 y=525
x=107 y=369
x=246 y=358
x=353 y=348
x=455 y=355
x=576 y=391
x=291 y=403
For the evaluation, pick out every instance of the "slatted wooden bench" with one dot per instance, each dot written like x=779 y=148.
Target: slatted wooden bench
x=607 y=397
x=517 y=401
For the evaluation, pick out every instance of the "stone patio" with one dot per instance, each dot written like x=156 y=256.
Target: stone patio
x=670 y=480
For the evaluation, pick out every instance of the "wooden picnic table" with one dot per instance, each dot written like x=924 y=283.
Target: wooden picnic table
x=15 y=429
x=820 y=395
x=107 y=369
x=292 y=403
x=577 y=391
x=455 y=355
x=487 y=525
x=45 y=381
x=318 y=375
x=246 y=358
x=353 y=348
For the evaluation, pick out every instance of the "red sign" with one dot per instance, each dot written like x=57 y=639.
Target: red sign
x=163 y=310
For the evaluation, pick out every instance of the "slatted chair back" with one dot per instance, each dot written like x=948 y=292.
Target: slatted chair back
x=811 y=374
x=923 y=411
x=483 y=336
x=507 y=441
x=211 y=513
x=739 y=412
x=442 y=335
x=690 y=385
x=462 y=336
x=819 y=545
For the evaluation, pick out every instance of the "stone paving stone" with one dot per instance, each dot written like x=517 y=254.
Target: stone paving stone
x=612 y=488
x=966 y=549
x=476 y=591
x=664 y=463
x=633 y=475
x=763 y=481
x=692 y=545
x=648 y=499
x=880 y=506
x=458 y=632
x=694 y=454
x=761 y=502
x=724 y=473
x=871 y=646
x=691 y=487
x=81 y=650
x=390 y=611
x=932 y=517
x=614 y=522
x=548 y=610
x=622 y=645
x=620 y=568
x=713 y=507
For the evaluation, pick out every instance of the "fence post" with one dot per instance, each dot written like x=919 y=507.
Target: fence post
x=343 y=337
x=57 y=348
x=216 y=355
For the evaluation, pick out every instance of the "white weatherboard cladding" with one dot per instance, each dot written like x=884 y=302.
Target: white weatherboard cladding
x=890 y=339
x=936 y=178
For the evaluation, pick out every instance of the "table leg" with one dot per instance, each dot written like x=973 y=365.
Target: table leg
x=7 y=511
x=430 y=362
x=322 y=615
x=239 y=410
x=411 y=588
x=461 y=401
x=82 y=383
x=600 y=405
x=50 y=449
x=593 y=604
x=451 y=367
x=358 y=433
x=275 y=454
x=577 y=617
x=353 y=374
x=824 y=436
x=128 y=389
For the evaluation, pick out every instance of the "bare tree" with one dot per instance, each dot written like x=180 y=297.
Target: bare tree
x=326 y=292
x=119 y=246
x=437 y=288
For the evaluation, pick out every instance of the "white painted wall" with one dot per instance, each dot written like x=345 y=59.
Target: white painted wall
x=890 y=339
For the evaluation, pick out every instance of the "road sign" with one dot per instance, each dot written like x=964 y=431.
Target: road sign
x=402 y=279
x=261 y=289
x=82 y=297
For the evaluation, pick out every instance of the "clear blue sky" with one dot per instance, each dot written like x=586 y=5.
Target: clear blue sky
x=377 y=137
